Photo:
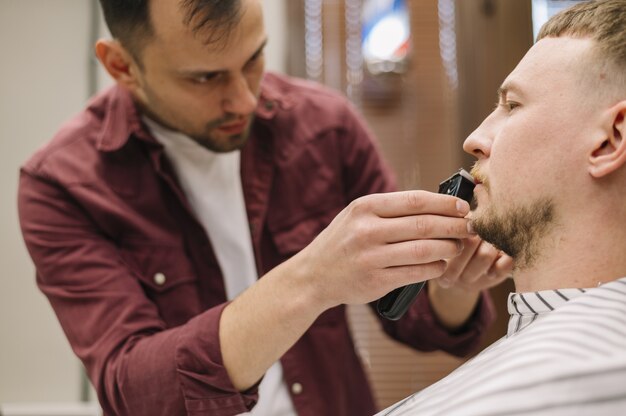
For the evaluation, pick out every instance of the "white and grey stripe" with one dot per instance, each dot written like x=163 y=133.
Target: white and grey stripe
x=526 y=308
x=570 y=361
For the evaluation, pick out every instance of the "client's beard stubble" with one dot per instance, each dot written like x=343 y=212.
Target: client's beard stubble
x=519 y=230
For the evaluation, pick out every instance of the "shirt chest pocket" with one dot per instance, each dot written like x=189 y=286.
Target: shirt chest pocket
x=168 y=280
x=291 y=238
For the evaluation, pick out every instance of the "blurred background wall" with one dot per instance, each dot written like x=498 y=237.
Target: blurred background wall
x=460 y=51
x=43 y=80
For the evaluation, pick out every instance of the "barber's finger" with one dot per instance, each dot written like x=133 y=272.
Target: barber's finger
x=480 y=263
x=394 y=277
x=503 y=267
x=399 y=204
x=415 y=252
x=414 y=227
x=458 y=264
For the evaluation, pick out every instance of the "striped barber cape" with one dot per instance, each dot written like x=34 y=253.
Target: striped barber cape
x=564 y=354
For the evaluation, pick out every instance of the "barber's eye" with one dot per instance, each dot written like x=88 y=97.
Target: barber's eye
x=254 y=61
x=204 y=79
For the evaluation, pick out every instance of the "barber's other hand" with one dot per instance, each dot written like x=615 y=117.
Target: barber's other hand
x=381 y=242
x=479 y=266
x=454 y=295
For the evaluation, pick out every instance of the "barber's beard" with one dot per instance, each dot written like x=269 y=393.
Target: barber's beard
x=519 y=231
x=209 y=141
x=205 y=135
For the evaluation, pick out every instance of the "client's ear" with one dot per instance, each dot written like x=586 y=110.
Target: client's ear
x=609 y=153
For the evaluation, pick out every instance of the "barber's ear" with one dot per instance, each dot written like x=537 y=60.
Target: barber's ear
x=118 y=62
x=609 y=153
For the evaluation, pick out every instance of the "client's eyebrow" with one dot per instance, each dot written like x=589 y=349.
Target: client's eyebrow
x=505 y=88
x=502 y=91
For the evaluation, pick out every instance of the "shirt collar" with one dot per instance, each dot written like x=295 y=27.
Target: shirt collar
x=273 y=97
x=121 y=119
x=525 y=308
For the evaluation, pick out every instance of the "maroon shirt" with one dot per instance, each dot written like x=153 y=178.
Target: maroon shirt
x=134 y=281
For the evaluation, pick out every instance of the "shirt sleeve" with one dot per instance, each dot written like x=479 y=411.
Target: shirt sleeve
x=420 y=328
x=137 y=365
x=366 y=172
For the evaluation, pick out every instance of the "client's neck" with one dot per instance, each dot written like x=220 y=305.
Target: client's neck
x=582 y=251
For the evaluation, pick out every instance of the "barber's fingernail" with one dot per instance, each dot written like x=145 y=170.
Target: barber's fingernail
x=459 y=245
x=444 y=283
x=462 y=206
x=470 y=228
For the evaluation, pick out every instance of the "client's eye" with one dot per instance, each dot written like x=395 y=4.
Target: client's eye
x=512 y=105
x=509 y=105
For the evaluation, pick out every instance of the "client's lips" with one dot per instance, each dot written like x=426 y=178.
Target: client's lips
x=478 y=176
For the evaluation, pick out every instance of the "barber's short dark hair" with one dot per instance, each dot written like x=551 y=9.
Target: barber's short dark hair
x=129 y=20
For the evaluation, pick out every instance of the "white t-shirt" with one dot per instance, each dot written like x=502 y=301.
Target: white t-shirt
x=212 y=184
x=564 y=354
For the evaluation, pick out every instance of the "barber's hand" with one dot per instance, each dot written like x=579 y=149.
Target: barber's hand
x=376 y=244
x=381 y=242
x=454 y=295
x=480 y=266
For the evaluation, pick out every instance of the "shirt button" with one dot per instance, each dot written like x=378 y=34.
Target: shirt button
x=296 y=388
x=159 y=278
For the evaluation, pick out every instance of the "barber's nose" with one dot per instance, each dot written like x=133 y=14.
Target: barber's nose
x=238 y=97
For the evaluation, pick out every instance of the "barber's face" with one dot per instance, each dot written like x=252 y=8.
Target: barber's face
x=529 y=149
x=206 y=91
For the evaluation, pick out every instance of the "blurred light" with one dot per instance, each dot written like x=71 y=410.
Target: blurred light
x=313 y=39
x=354 y=57
x=386 y=39
x=386 y=36
x=447 y=40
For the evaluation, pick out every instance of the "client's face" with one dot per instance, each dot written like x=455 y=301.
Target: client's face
x=528 y=147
